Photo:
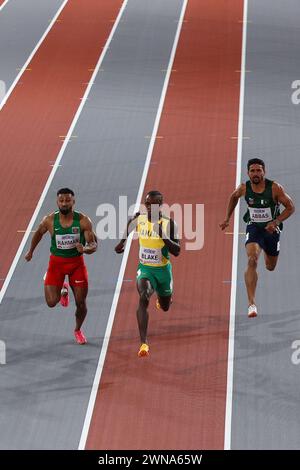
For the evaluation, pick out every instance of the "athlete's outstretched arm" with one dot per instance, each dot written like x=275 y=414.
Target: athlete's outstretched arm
x=89 y=235
x=232 y=203
x=38 y=235
x=131 y=225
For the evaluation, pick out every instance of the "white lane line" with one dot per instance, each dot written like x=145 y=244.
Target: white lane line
x=3 y=4
x=112 y=313
x=228 y=415
x=25 y=66
x=57 y=162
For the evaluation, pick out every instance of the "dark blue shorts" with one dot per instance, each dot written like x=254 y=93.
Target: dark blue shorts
x=269 y=242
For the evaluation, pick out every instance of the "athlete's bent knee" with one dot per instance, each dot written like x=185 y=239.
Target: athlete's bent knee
x=51 y=302
x=270 y=267
x=165 y=308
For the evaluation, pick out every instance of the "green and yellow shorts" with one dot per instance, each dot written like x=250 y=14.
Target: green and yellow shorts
x=160 y=277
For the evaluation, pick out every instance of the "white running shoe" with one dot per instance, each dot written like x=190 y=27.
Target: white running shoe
x=252 y=311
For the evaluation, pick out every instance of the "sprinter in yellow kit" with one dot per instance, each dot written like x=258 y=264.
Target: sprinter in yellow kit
x=158 y=238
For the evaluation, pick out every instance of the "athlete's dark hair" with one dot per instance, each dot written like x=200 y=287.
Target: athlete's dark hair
x=65 y=191
x=155 y=193
x=255 y=161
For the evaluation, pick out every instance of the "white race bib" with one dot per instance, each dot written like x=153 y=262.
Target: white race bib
x=262 y=214
x=150 y=255
x=68 y=241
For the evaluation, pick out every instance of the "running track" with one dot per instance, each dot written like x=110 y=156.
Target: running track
x=22 y=28
x=176 y=398
x=42 y=107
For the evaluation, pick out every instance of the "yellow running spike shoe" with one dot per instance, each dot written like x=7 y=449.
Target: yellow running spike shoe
x=144 y=350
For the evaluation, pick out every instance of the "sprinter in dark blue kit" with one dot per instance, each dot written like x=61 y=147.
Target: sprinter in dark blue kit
x=264 y=222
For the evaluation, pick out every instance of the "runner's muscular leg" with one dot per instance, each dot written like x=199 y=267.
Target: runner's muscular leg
x=165 y=302
x=145 y=290
x=52 y=295
x=270 y=262
x=80 y=295
x=253 y=251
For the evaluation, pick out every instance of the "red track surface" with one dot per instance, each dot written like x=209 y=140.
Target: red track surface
x=175 y=399
x=41 y=109
x=1 y=1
